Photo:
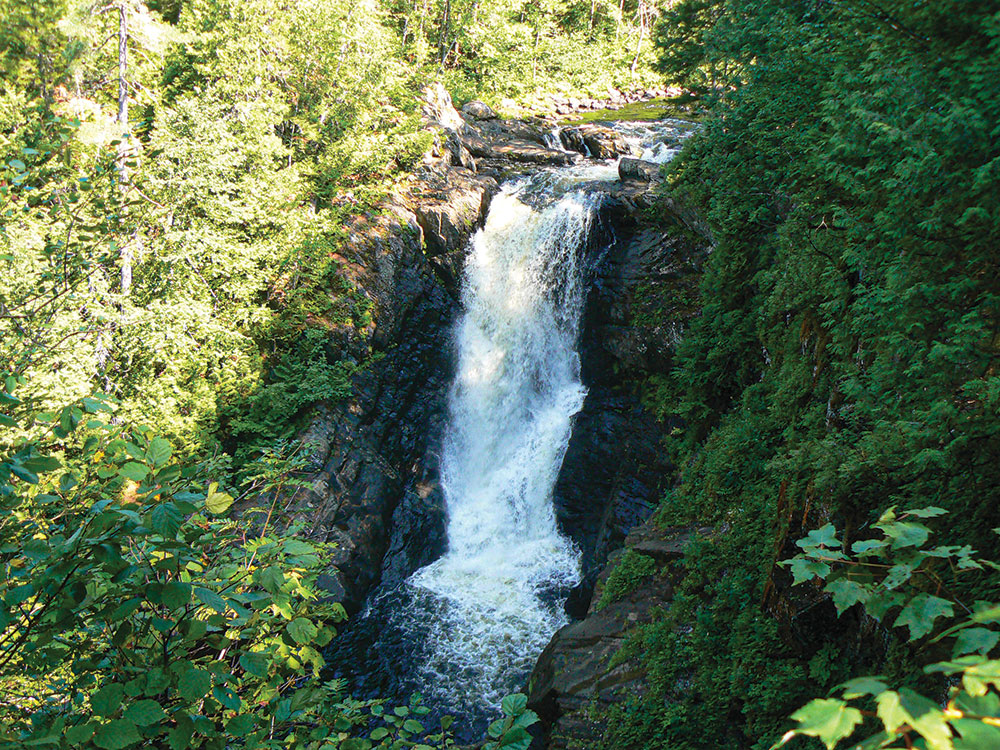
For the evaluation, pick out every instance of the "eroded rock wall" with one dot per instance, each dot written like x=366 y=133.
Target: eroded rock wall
x=615 y=472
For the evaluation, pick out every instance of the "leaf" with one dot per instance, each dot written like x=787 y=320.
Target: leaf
x=906 y=534
x=495 y=729
x=81 y=733
x=981 y=640
x=863 y=686
x=21 y=473
x=298 y=547
x=159 y=452
x=179 y=737
x=194 y=684
x=41 y=464
x=898 y=575
x=516 y=738
x=212 y=599
x=413 y=726
x=16 y=164
x=145 y=713
x=240 y=725
x=19 y=594
x=255 y=663
x=828 y=719
x=846 y=593
x=302 y=630
x=105 y=702
x=927 y=718
x=890 y=710
x=166 y=520
x=931 y=511
x=514 y=705
x=825 y=536
x=920 y=613
x=227 y=697
x=526 y=719
x=117 y=735
x=979 y=677
x=271 y=578
x=805 y=569
x=132 y=470
x=976 y=734
x=217 y=502
x=176 y=594
x=984 y=705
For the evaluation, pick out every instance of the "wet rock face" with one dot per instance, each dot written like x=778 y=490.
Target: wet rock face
x=643 y=291
x=373 y=447
x=637 y=169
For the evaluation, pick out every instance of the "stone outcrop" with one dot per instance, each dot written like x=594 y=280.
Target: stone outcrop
x=478 y=110
x=575 y=674
x=643 y=292
x=480 y=142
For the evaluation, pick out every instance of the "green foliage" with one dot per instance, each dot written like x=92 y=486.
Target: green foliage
x=132 y=612
x=896 y=573
x=626 y=576
x=845 y=356
x=183 y=261
x=511 y=731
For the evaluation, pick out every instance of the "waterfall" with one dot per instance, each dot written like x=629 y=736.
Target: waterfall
x=466 y=629
x=495 y=598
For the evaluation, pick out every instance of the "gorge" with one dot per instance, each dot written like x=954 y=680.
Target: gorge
x=481 y=558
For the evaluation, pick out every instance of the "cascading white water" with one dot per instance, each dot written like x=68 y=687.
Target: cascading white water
x=491 y=603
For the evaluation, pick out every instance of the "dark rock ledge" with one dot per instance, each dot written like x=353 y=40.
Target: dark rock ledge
x=576 y=678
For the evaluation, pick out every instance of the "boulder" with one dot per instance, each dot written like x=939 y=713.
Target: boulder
x=637 y=169
x=449 y=217
x=572 y=139
x=595 y=140
x=459 y=155
x=531 y=153
x=478 y=111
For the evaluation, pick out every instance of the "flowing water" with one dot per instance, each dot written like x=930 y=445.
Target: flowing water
x=466 y=629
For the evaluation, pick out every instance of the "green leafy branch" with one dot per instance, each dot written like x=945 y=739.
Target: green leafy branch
x=890 y=572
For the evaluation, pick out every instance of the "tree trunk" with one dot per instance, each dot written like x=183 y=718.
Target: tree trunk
x=638 y=44
x=123 y=146
x=444 y=46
